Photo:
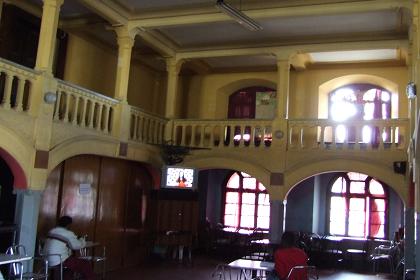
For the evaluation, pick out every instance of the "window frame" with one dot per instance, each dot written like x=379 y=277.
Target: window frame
x=347 y=195
x=241 y=190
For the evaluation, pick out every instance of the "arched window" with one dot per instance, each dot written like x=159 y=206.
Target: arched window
x=358 y=206
x=360 y=102
x=247 y=204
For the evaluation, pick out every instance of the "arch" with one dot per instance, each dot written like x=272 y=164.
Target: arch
x=258 y=172
x=328 y=86
x=223 y=93
x=96 y=146
x=17 y=153
x=394 y=181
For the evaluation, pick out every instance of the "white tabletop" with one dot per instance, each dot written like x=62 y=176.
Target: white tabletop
x=6 y=258
x=91 y=244
x=252 y=265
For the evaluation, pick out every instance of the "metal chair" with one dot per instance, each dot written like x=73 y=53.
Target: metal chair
x=84 y=254
x=301 y=272
x=220 y=272
x=57 y=270
x=16 y=270
x=383 y=253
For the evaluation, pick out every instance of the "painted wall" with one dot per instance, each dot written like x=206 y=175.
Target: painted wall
x=299 y=200
x=208 y=94
x=93 y=66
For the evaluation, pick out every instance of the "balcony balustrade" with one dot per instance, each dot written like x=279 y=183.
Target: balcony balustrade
x=145 y=127
x=15 y=86
x=84 y=108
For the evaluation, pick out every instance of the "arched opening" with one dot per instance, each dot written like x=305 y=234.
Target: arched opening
x=7 y=204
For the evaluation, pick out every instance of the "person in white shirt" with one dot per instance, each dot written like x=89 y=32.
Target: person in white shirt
x=62 y=241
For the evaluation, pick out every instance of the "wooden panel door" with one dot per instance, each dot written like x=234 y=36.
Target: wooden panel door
x=111 y=213
x=49 y=202
x=83 y=169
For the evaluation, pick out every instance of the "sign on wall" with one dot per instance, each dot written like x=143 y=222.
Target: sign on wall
x=265 y=105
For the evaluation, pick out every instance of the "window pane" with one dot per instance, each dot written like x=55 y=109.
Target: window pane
x=357 y=230
x=231 y=220
x=232 y=209
x=250 y=183
x=376 y=188
x=357 y=204
x=247 y=221
x=337 y=215
x=357 y=187
x=356 y=217
x=232 y=197
x=263 y=211
x=339 y=186
x=378 y=231
x=263 y=222
x=261 y=187
x=233 y=181
x=354 y=176
x=378 y=205
x=245 y=175
x=263 y=199
x=248 y=198
x=248 y=210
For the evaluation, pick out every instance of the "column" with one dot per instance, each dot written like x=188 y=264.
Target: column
x=125 y=40
x=283 y=72
x=409 y=238
x=47 y=35
x=277 y=219
x=173 y=66
x=26 y=217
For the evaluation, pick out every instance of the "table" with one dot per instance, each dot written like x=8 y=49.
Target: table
x=255 y=267
x=84 y=254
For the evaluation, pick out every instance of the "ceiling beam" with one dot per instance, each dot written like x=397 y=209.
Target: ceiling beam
x=157 y=42
x=212 y=15
x=106 y=10
x=293 y=49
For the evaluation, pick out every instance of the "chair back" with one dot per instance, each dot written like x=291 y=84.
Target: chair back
x=302 y=272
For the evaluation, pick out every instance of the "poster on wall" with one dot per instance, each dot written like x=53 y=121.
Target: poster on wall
x=265 y=105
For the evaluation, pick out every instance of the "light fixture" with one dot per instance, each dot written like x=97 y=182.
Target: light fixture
x=237 y=15
x=50 y=97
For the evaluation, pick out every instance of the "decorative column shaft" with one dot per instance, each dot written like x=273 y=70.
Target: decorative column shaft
x=283 y=72
x=125 y=40
x=47 y=35
x=173 y=67
x=277 y=219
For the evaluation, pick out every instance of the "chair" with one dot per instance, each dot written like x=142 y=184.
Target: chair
x=383 y=253
x=16 y=270
x=303 y=272
x=57 y=270
x=84 y=254
x=220 y=272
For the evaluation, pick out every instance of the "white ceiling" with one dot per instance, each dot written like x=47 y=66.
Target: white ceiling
x=367 y=20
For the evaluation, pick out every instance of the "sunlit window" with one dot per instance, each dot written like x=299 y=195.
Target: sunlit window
x=360 y=102
x=358 y=206
x=247 y=203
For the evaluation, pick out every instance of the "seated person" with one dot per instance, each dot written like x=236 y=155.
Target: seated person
x=61 y=240
x=287 y=256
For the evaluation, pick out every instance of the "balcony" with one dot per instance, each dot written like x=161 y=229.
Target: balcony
x=78 y=112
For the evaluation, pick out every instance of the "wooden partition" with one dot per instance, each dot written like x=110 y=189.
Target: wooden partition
x=108 y=200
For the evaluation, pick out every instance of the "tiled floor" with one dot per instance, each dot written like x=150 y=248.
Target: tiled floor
x=202 y=269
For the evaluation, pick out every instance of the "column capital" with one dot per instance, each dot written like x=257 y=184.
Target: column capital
x=125 y=36
x=173 y=65
x=54 y=3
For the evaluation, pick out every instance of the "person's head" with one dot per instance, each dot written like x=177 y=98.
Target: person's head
x=288 y=239
x=64 y=221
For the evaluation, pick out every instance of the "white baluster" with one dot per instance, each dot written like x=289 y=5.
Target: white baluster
x=83 y=112
x=66 y=108
x=74 y=121
x=57 y=106
x=7 y=90
x=91 y=113
x=99 y=122
x=19 y=94
x=106 y=119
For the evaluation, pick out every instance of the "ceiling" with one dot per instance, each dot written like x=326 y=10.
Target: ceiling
x=321 y=31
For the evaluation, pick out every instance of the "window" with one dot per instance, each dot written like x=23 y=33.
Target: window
x=247 y=204
x=361 y=102
x=358 y=206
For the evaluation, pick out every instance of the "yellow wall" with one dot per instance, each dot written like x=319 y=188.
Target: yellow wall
x=208 y=94
x=143 y=92
x=90 y=66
